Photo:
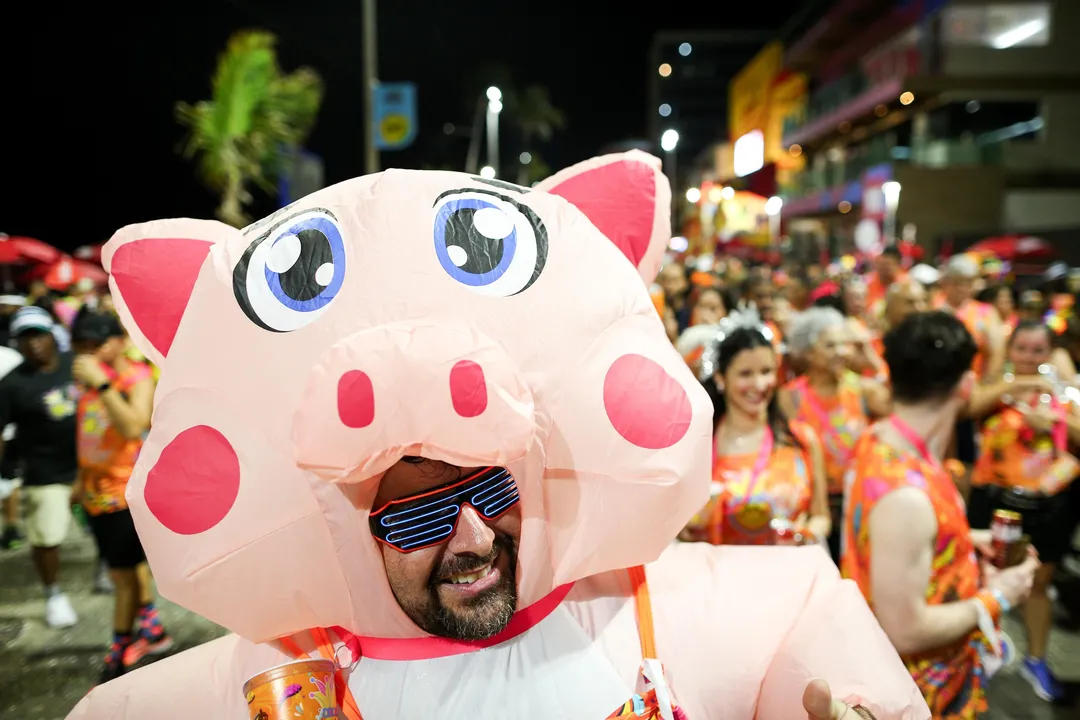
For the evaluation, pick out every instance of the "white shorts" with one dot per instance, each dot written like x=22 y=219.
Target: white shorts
x=48 y=514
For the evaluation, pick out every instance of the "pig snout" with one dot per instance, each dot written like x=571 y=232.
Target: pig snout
x=445 y=393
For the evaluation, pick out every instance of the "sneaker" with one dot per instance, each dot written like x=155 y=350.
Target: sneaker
x=59 y=613
x=1043 y=682
x=145 y=647
x=11 y=539
x=114 y=664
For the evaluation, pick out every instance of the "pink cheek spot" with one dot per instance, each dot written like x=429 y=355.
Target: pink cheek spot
x=468 y=389
x=355 y=399
x=195 y=481
x=645 y=405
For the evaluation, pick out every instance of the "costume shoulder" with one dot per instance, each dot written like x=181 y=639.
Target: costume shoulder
x=204 y=682
x=745 y=628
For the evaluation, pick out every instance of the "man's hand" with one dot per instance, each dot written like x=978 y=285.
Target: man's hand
x=983 y=540
x=88 y=371
x=819 y=704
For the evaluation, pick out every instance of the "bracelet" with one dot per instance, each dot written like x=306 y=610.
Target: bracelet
x=1006 y=606
x=989 y=602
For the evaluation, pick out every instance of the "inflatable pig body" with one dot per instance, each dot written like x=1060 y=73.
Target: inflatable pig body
x=477 y=323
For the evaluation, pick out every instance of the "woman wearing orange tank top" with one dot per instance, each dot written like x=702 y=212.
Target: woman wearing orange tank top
x=1025 y=464
x=831 y=399
x=768 y=476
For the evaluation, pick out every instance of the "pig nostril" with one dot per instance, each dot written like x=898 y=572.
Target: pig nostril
x=355 y=399
x=468 y=389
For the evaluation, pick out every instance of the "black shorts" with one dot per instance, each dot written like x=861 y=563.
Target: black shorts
x=966 y=449
x=117 y=540
x=836 y=510
x=1048 y=521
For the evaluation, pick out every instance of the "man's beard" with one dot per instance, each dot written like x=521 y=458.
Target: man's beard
x=482 y=616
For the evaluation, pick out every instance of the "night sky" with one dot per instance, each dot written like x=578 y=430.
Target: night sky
x=88 y=138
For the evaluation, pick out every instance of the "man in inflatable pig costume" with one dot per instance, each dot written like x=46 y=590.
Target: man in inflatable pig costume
x=429 y=425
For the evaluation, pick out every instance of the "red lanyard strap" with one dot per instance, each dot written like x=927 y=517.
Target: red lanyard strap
x=916 y=440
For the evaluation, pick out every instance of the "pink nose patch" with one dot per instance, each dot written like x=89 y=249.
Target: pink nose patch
x=468 y=389
x=195 y=481
x=645 y=405
x=355 y=399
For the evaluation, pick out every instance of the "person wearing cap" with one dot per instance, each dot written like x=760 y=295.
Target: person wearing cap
x=39 y=397
x=113 y=416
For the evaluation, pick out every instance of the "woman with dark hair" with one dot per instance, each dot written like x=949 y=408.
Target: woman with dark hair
x=1025 y=466
x=767 y=473
x=1003 y=299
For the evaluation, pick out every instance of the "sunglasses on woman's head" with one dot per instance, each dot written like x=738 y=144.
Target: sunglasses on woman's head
x=429 y=518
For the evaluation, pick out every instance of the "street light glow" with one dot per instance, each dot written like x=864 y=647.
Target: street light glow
x=665 y=70
x=693 y=195
x=665 y=110
x=773 y=205
x=494 y=94
x=487 y=172
x=495 y=106
x=728 y=192
x=685 y=49
x=525 y=158
x=669 y=140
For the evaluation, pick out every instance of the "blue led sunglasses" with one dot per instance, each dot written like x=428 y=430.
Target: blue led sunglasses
x=429 y=518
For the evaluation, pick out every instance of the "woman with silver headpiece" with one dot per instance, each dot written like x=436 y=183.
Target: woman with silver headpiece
x=830 y=398
x=768 y=475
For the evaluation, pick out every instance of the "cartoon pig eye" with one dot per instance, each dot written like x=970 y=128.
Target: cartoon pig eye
x=489 y=243
x=290 y=274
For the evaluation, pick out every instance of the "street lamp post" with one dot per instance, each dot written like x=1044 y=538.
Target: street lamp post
x=772 y=208
x=371 y=75
x=494 y=107
x=669 y=141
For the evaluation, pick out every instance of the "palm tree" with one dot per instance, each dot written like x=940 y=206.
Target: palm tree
x=257 y=115
x=537 y=119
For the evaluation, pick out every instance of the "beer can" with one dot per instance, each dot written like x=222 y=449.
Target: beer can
x=300 y=690
x=1006 y=529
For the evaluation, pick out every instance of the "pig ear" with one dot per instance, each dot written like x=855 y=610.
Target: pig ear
x=152 y=270
x=627 y=197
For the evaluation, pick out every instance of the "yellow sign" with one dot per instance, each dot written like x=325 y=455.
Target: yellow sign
x=394 y=129
x=788 y=96
x=748 y=93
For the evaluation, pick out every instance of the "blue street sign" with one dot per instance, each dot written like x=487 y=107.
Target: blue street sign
x=394 y=115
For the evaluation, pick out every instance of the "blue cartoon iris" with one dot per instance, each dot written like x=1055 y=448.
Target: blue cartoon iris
x=290 y=275
x=488 y=242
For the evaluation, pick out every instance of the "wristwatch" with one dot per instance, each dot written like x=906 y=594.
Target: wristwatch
x=104 y=387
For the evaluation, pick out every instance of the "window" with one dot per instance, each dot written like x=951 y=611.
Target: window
x=998 y=25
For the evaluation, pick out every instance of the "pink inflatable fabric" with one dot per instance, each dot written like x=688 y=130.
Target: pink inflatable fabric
x=479 y=323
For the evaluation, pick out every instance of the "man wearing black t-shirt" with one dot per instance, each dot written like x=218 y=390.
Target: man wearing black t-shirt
x=39 y=397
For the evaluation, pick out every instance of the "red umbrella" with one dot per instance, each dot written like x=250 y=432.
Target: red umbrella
x=25 y=250
x=1014 y=247
x=90 y=253
x=67 y=271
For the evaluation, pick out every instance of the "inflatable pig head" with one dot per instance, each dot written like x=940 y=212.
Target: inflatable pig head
x=407 y=313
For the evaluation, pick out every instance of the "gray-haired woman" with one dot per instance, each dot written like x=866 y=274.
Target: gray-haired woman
x=834 y=401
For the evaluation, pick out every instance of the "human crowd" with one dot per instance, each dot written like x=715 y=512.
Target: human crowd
x=888 y=411
x=883 y=412
x=75 y=401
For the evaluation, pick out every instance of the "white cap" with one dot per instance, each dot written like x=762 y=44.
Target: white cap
x=925 y=274
x=31 y=318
